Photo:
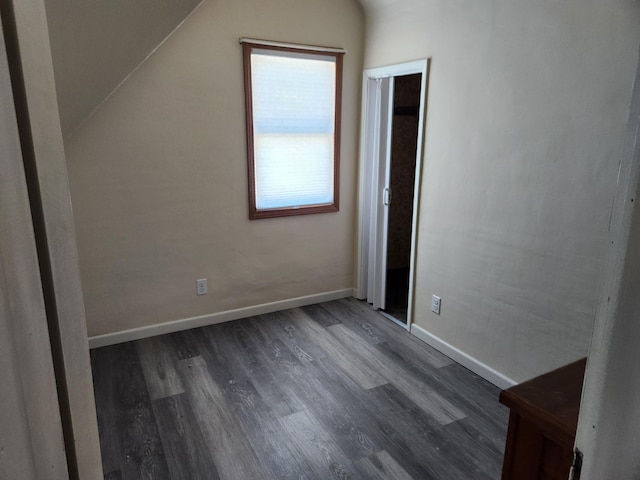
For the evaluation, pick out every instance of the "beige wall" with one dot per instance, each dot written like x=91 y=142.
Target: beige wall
x=96 y=44
x=158 y=177
x=527 y=106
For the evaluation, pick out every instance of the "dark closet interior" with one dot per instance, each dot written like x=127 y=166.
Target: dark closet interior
x=406 y=101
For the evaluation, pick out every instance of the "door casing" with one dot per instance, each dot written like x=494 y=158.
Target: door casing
x=375 y=159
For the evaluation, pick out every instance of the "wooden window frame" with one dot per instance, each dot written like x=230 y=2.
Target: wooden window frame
x=254 y=212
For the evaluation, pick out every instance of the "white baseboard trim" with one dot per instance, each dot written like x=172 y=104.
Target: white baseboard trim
x=213 y=318
x=499 y=380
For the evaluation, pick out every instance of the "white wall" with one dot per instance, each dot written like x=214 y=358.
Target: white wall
x=527 y=106
x=159 y=183
x=96 y=44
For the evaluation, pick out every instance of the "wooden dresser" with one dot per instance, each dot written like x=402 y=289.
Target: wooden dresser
x=542 y=424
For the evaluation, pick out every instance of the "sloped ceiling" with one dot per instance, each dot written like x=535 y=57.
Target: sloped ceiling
x=96 y=44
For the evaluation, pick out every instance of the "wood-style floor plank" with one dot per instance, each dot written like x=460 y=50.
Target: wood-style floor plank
x=321 y=315
x=184 y=343
x=284 y=327
x=314 y=389
x=358 y=425
x=478 y=448
x=157 y=363
x=387 y=425
x=248 y=361
x=273 y=447
x=476 y=396
x=231 y=450
x=350 y=315
x=427 y=399
x=105 y=364
x=188 y=454
x=362 y=374
x=257 y=397
x=318 y=447
x=126 y=422
x=327 y=402
x=382 y=466
x=409 y=347
x=333 y=390
x=458 y=385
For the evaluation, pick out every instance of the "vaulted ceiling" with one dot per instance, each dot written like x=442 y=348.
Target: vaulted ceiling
x=95 y=45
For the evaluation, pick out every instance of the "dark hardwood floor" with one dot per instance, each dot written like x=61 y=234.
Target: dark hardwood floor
x=326 y=391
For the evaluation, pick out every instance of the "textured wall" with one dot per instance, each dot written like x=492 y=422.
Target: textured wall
x=96 y=44
x=527 y=106
x=159 y=181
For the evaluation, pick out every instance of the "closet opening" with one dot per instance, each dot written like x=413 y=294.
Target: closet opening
x=394 y=100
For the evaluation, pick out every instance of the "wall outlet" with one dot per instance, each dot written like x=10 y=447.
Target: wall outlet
x=201 y=286
x=435 y=304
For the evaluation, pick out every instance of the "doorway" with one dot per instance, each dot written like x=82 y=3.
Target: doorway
x=392 y=145
x=402 y=175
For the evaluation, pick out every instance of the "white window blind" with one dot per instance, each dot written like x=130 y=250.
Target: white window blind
x=293 y=107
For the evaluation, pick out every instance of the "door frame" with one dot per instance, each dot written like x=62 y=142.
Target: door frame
x=369 y=164
x=30 y=68
x=31 y=433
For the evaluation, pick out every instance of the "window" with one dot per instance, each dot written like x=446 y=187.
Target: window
x=293 y=96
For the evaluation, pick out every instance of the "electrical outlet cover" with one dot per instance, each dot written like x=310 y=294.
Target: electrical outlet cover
x=435 y=304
